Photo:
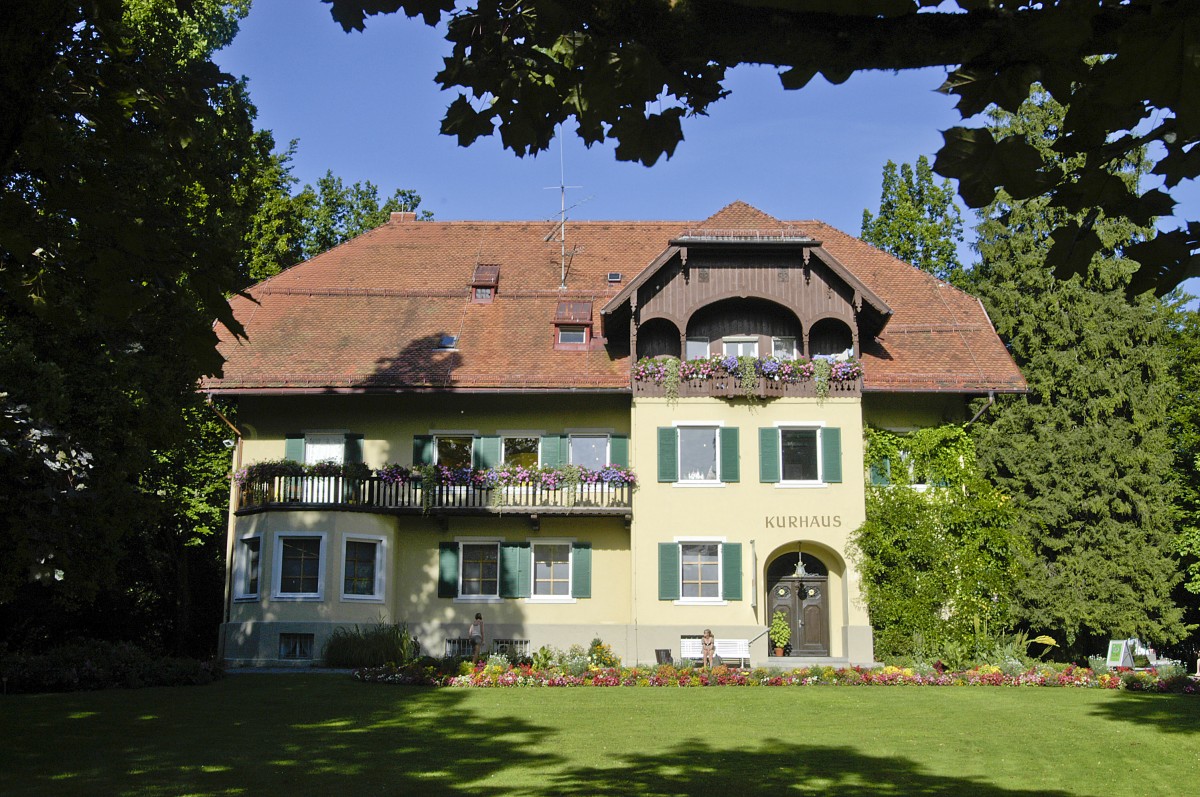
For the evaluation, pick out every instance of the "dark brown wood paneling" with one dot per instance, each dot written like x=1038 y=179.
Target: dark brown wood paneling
x=765 y=293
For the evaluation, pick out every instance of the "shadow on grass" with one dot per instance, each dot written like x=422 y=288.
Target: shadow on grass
x=293 y=735
x=318 y=734
x=774 y=768
x=1167 y=713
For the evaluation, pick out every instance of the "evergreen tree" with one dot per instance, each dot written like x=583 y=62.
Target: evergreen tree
x=1186 y=434
x=1087 y=454
x=918 y=221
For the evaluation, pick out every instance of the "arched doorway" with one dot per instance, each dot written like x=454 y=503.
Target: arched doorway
x=800 y=592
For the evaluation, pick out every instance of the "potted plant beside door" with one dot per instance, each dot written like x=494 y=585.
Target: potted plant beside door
x=780 y=632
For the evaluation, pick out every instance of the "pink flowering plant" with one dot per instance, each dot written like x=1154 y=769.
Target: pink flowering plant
x=571 y=670
x=507 y=475
x=657 y=370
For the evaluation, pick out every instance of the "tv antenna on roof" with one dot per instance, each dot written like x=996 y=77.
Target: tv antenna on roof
x=562 y=212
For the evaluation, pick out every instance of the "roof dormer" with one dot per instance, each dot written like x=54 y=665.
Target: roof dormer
x=484 y=283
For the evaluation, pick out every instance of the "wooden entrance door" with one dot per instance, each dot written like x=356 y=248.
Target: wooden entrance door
x=802 y=600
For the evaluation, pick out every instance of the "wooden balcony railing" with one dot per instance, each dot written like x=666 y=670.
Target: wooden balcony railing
x=731 y=388
x=372 y=494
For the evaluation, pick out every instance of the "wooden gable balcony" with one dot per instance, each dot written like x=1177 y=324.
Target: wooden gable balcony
x=373 y=494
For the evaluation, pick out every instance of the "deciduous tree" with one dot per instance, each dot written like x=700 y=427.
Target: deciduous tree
x=291 y=227
x=918 y=221
x=939 y=563
x=334 y=212
x=122 y=215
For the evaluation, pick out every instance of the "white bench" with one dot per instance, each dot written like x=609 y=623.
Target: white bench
x=727 y=649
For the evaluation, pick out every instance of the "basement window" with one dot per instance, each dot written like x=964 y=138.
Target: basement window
x=296 y=646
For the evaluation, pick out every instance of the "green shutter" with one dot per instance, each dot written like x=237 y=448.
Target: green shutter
x=731 y=571
x=881 y=474
x=668 y=454
x=447 y=569
x=831 y=454
x=581 y=570
x=668 y=571
x=618 y=450
x=354 y=449
x=768 y=454
x=422 y=449
x=552 y=451
x=293 y=446
x=514 y=569
x=490 y=451
x=730 y=455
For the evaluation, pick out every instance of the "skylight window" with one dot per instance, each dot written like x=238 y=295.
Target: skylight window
x=448 y=342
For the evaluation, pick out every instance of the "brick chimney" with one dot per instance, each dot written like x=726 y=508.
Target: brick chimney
x=403 y=216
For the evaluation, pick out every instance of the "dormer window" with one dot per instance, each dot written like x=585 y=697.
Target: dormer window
x=484 y=283
x=573 y=325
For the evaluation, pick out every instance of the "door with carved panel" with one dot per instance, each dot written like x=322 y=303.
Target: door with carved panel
x=802 y=601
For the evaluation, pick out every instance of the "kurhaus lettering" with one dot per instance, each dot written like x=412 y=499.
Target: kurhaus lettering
x=803 y=521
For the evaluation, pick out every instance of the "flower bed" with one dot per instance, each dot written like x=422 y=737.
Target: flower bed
x=525 y=675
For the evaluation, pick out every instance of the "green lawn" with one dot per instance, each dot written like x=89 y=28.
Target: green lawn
x=325 y=734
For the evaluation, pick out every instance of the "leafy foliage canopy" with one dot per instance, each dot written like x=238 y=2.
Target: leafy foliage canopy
x=631 y=71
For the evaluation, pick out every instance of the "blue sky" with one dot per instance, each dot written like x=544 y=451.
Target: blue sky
x=365 y=105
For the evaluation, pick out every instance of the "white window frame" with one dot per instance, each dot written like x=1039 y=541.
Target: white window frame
x=775 y=340
x=571 y=435
x=815 y=426
x=507 y=435
x=697 y=339
x=572 y=329
x=277 y=566
x=533 y=596
x=493 y=541
x=716 y=427
x=241 y=567
x=739 y=339
x=381 y=560
x=720 y=543
x=439 y=433
x=340 y=442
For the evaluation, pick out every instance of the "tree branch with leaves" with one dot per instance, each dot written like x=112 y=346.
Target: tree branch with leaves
x=632 y=71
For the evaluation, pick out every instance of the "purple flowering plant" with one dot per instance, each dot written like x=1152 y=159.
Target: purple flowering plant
x=775 y=368
x=507 y=475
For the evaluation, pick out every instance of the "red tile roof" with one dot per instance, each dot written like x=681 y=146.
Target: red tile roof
x=369 y=314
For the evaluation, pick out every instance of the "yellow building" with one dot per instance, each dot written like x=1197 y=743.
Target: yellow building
x=472 y=400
